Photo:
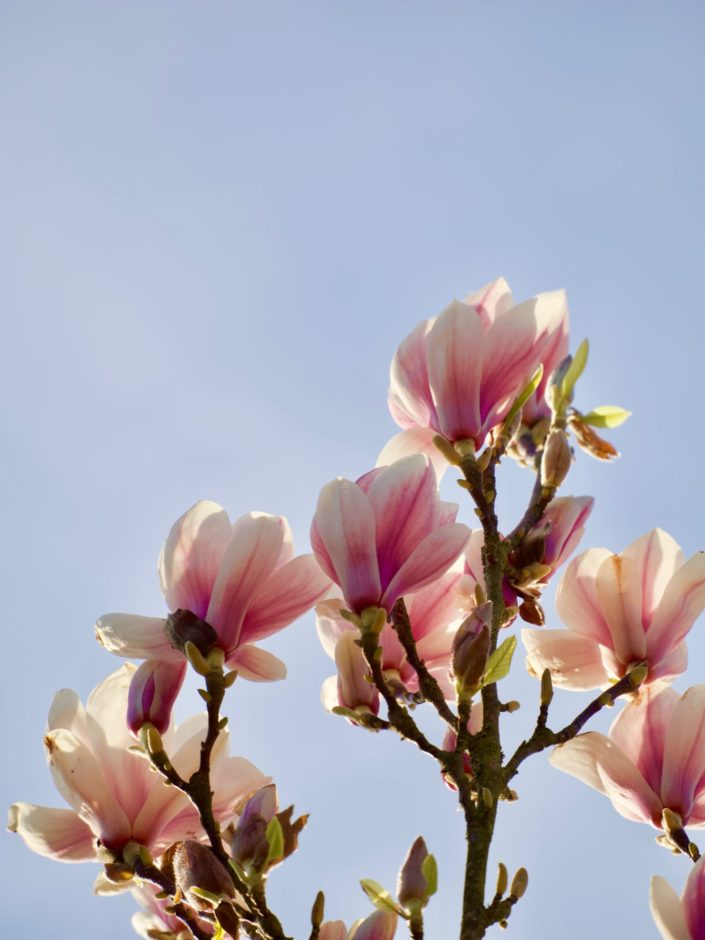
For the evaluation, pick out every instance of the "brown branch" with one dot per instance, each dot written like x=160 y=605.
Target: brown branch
x=428 y=685
x=543 y=737
x=186 y=915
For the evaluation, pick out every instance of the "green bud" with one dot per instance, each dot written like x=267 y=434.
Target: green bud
x=546 y=687
x=502 y=880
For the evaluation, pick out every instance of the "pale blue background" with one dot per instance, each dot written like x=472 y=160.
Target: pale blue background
x=218 y=220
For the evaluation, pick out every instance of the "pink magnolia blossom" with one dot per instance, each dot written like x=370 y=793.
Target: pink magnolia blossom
x=240 y=578
x=653 y=758
x=387 y=535
x=435 y=612
x=621 y=610
x=114 y=796
x=680 y=918
x=457 y=374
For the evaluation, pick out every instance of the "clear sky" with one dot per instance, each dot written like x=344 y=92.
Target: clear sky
x=218 y=221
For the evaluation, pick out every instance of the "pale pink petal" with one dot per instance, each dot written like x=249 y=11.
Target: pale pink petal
x=256 y=664
x=693 y=902
x=404 y=499
x=234 y=778
x=56 y=833
x=330 y=625
x=435 y=607
x=67 y=712
x=286 y=594
x=667 y=911
x=658 y=557
x=252 y=555
x=410 y=400
x=554 y=352
x=455 y=356
x=333 y=930
x=577 y=603
x=491 y=301
x=153 y=691
x=343 y=540
x=381 y=925
x=575 y=662
x=190 y=559
x=413 y=441
x=82 y=782
x=135 y=637
x=512 y=353
x=684 y=754
x=185 y=747
x=329 y=693
x=600 y=764
x=428 y=561
x=673 y=664
x=640 y=731
x=566 y=517
x=447 y=512
x=682 y=603
x=619 y=593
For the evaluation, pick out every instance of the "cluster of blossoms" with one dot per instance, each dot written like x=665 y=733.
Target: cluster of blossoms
x=414 y=607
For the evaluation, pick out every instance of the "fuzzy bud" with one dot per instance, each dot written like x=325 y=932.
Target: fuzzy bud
x=200 y=876
x=471 y=649
x=417 y=877
x=184 y=627
x=556 y=460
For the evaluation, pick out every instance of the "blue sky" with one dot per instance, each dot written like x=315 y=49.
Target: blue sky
x=218 y=221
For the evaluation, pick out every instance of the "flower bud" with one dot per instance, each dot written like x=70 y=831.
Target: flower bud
x=414 y=887
x=199 y=875
x=556 y=459
x=183 y=627
x=471 y=648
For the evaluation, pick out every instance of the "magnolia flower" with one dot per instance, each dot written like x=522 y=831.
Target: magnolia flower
x=621 y=610
x=435 y=612
x=680 y=918
x=458 y=374
x=387 y=535
x=653 y=758
x=229 y=586
x=115 y=797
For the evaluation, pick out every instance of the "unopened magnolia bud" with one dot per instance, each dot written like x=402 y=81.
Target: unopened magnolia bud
x=546 y=687
x=520 y=882
x=471 y=649
x=200 y=876
x=512 y=706
x=414 y=887
x=318 y=910
x=249 y=844
x=183 y=627
x=502 y=880
x=556 y=459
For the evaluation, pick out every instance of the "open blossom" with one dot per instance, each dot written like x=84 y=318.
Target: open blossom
x=435 y=612
x=387 y=535
x=653 y=758
x=621 y=610
x=230 y=584
x=114 y=796
x=457 y=374
x=680 y=918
